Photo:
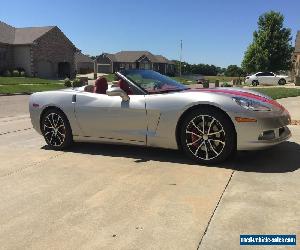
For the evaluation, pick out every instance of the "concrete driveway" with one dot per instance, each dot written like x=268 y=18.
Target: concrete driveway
x=97 y=196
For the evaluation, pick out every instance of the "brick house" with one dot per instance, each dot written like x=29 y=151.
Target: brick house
x=83 y=63
x=296 y=61
x=110 y=63
x=41 y=51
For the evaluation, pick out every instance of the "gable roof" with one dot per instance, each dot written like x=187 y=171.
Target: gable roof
x=18 y=36
x=111 y=57
x=164 y=59
x=79 y=57
x=297 y=44
x=29 y=35
x=133 y=56
x=7 y=33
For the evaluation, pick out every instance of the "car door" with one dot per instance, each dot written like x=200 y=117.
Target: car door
x=270 y=78
x=110 y=118
x=262 y=78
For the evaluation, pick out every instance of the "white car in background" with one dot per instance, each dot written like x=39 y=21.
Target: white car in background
x=266 y=78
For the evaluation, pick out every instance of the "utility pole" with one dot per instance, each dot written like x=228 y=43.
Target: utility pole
x=180 y=57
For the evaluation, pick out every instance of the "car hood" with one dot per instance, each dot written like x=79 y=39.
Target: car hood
x=239 y=92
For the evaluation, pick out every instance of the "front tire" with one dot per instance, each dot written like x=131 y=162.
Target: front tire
x=208 y=136
x=56 y=129
x=255 y=83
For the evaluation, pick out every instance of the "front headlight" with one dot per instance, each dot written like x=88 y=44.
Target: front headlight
x=250 y=104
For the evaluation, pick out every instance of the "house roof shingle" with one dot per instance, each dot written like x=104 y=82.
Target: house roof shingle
x=297 y=44
x=111 y=57
x=133 y=56
x=164 y=59
x=29 y=35
x=7 y=33
x=18 y=36
x=79 y=57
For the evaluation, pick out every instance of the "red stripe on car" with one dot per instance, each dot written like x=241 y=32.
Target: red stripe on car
x=242 y=94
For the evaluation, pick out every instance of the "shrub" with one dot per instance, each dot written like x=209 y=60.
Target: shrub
x=77 y=83
x=206 y=84
x=20 y=69
x=15 y=73
x=7 y=73
x=226 y=84
x=22 y=73
x=68 y=83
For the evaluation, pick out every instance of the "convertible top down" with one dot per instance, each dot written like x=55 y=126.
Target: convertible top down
x=150 y=109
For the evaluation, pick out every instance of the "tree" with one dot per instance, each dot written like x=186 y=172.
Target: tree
x=203 y=69
x=234 y=70
x=271 y=49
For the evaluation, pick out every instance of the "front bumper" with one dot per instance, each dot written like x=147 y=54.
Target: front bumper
x=269 y=130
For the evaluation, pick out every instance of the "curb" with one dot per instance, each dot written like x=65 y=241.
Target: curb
x=12 y=94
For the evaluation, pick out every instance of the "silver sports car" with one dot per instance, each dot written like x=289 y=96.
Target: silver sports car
x=150 y=109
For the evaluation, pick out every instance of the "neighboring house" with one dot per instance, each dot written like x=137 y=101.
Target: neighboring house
x=83 y=63
x=41 y=51
x=296 y=61
x=110 y=63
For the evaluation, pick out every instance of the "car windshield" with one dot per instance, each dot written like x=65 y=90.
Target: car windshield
x=153 y=82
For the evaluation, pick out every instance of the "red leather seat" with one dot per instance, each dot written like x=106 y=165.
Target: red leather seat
x=101 y=85
x=125 y=86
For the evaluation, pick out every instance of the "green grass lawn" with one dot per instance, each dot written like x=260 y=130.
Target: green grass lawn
x=221 y=78
x=11 y=89
x=25 y=80
x=277 y=93
x=183 y=80
x=110 y=77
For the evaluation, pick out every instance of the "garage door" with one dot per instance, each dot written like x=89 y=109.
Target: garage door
x=104 y=68
x=45 y=69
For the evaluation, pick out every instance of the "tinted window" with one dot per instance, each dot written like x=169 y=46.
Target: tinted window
x=264 y=74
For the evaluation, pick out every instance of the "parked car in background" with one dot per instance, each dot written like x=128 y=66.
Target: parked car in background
x=266 y=78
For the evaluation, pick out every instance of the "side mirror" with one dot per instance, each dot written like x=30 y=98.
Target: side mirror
x=116 y=91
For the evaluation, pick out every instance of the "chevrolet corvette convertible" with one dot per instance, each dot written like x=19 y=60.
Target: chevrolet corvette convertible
x=149 y=109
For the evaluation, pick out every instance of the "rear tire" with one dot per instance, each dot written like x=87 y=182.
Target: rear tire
x=56 y=129
x=208 y=136
x=282 y=82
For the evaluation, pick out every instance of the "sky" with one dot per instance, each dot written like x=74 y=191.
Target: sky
x=213 y=31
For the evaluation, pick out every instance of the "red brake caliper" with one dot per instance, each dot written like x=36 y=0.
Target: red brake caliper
x=195 y=138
